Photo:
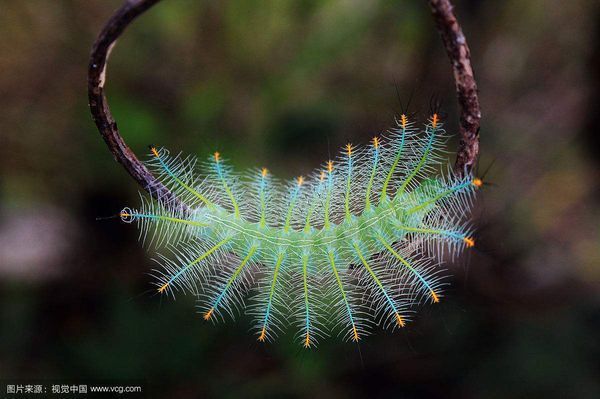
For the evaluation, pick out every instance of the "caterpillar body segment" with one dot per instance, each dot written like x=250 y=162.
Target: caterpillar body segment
x=356 y=244
x=346 y=313
x=232 y=282
x=309 y=309
x=188 y=267
x=269 y=300
x=385 y=295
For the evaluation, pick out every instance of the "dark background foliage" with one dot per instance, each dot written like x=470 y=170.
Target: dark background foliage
x=285 y=83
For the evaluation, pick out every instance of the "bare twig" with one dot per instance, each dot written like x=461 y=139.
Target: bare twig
x=447 y=25
x=466 y=88
x=100 y=110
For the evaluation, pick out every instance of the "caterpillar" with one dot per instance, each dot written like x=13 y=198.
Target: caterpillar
x=358 y=243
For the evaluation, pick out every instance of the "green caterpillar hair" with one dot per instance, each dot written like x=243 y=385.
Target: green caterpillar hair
x=358 y=243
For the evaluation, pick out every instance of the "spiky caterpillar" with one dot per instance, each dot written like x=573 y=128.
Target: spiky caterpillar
x=356 y=243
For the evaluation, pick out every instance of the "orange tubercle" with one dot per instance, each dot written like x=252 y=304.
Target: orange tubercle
x=434 y=120
x=300 y=180
x=470 y=242
x=330 y=166
x=355 y=336
x=435 y=297
x=163 y=287
x=264 y=172
x=403 y=120
x=307 y=341
x=349 y=149
x=477 y=182
x=208 y=314
x=322 y=175
x=263 y=335
x=124 y=214
x=217 y=156
x=375 y=141
x=399 y=319
x=154 y=152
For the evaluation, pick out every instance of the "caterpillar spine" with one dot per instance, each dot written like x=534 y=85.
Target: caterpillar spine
x=355 y=244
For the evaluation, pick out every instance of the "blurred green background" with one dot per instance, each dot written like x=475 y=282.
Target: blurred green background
x=284 y=84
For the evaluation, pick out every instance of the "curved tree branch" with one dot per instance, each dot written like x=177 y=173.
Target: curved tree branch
x=447 y=25
x=100 y=110
x=466 y=87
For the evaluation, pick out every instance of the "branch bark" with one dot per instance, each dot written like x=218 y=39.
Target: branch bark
x=466 y=87
x=452 y=36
